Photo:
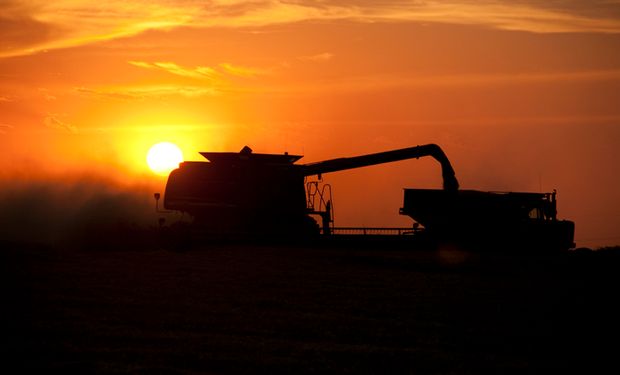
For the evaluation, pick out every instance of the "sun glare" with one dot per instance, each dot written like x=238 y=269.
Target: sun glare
x=164 y=157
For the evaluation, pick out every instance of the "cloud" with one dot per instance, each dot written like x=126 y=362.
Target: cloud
x=535 y=16
x=387 y=81
x=241 y=71
x=4 y=128
x=46 y=94
x=321 y=57
x=68 y=23
x=142 y=64
x=199 y=72
x=171 y=90
x=52 y=122
x=108 y=94
x=505 y=15
x=144 y=92
x=202 y=72
x=16 y=17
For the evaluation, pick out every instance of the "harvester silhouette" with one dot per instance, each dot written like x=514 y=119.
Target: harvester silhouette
x=251 y=195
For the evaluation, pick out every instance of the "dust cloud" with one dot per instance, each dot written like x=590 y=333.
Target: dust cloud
x=75 y=211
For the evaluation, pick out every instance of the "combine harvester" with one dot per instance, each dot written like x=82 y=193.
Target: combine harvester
x=247 y=195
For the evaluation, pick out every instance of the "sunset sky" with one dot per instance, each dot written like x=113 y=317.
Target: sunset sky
x=521 y=95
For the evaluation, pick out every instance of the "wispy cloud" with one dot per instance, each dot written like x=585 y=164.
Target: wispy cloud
x=171 y=90
x=47 y=95
x=53 y=122
x=388 y=81
x=152 y=128
x=146 y=92
x=199 y=72
x=212 y=83
x=67 y=23
x=241 y=71
x=518 y=15
x=321 y=57
x=213 y=75
x=4 y=128
x=107 y=94
x=506 y=79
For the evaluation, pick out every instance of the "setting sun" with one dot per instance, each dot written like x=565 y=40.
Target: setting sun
x=164 y=157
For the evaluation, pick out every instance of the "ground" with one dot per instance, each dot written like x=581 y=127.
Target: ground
x=277 y=309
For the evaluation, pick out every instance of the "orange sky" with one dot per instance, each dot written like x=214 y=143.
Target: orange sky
x=521 y=96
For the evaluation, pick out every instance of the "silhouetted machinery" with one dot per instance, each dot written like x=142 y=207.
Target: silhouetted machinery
x=268 y=195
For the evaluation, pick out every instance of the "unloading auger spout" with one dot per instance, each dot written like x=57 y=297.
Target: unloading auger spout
x=450 y=183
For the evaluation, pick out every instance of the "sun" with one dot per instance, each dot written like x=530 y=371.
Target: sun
x=163 y=157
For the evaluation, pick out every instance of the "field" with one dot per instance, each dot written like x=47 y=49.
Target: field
x=276 y=309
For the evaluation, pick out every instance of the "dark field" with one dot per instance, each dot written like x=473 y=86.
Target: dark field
x=273 y=309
